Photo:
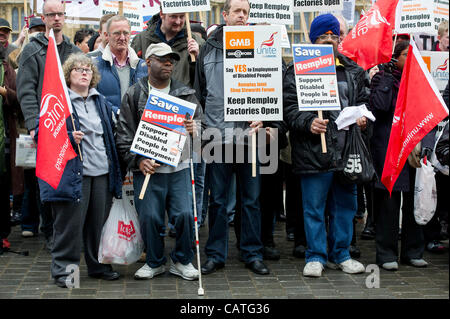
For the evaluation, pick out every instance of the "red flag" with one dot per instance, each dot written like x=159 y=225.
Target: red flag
x=54 y=149
x=370 y=41
x=419 y=109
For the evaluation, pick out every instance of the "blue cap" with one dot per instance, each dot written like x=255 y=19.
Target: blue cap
x=322 y=24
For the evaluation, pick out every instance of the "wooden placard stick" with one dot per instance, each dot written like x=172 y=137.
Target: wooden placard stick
x=322 y=135
x=304 y=27
x=144 y=186
x=188 y=28
x=121 y=8
x=79 y=149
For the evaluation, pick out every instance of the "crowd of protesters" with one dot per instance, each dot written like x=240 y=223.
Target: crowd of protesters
x=109 y=77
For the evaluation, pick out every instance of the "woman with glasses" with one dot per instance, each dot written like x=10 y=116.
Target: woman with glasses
x=83 y=199
x=384 y=90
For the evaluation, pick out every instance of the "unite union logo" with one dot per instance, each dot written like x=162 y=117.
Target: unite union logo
x=269 y=42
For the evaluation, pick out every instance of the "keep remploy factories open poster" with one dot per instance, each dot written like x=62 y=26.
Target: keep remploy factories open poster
x=315 y=77
x=161 y=134
x=253 y=73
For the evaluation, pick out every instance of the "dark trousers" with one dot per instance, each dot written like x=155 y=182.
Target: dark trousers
x=33 y=209
x=294 y=205
x=271 y=199
x=77 y=222
x=5 y=210
x=388 y=212
x=432 y=229
x=248 y=188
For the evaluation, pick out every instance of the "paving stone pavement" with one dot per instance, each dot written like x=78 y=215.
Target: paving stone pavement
x=28 y=277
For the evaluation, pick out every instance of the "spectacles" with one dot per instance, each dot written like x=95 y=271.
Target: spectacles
x=325 y=37
x=165 y=59
x=54 y=14
x=117 y=34
x=82 y=70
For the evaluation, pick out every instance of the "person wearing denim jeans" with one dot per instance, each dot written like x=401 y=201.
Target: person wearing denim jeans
x=250 y=245
x=209 y=89
x=175 y=186
x=320 y=171
x=169 y=188
x=342 y=206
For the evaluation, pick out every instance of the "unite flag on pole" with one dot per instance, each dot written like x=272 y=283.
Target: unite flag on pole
x=54 y=148
x=370 y=41
x=419 y=109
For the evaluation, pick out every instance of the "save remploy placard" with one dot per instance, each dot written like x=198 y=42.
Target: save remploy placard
x=318 y=5
x=253 y=73
x=315 y=77
x=181 y=6
x=161 y=133
x=279 y=12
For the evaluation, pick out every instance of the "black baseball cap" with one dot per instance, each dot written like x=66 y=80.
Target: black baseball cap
x=36 y=22
x=4 y=24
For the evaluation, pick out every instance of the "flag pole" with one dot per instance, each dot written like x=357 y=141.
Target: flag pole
x=79 y=149
x=188 y=28
x=395 y=40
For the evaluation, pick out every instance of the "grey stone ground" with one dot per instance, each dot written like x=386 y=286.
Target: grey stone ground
x=29 y=277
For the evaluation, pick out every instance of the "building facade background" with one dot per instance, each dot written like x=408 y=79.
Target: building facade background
x=13 y=11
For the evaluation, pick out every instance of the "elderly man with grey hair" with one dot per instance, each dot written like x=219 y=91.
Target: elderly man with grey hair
x=119 y=65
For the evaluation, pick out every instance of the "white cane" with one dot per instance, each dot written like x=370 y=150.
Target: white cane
x=201 y=292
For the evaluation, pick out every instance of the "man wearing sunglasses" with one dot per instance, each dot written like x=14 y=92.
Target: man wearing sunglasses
x=30 y=78
x=119 y=65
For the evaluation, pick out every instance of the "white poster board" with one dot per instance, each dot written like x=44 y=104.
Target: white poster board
x=441 y=12
x=438 y=65
x=416 y=16
x=161 y=134
x=253 y=73
x=279 y=12
x=318 y=5
x=90 y=11
x=315 y=77
x=182 y=6
x=131 y=11
x=349 y=12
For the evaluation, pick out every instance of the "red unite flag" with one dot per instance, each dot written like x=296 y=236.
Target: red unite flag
x=370 y=41
x=419 y=109
x=54 y=148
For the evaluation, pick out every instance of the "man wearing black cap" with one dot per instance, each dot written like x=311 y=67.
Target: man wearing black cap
x=169 y=187
x=5 y=31
x=321 y=189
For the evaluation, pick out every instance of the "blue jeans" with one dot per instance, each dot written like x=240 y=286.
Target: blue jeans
x=321 y=191
x=172 y=193
x=220 y=177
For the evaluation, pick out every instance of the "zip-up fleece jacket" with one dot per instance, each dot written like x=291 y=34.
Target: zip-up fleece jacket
x=133 y=105
x=30 y=76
